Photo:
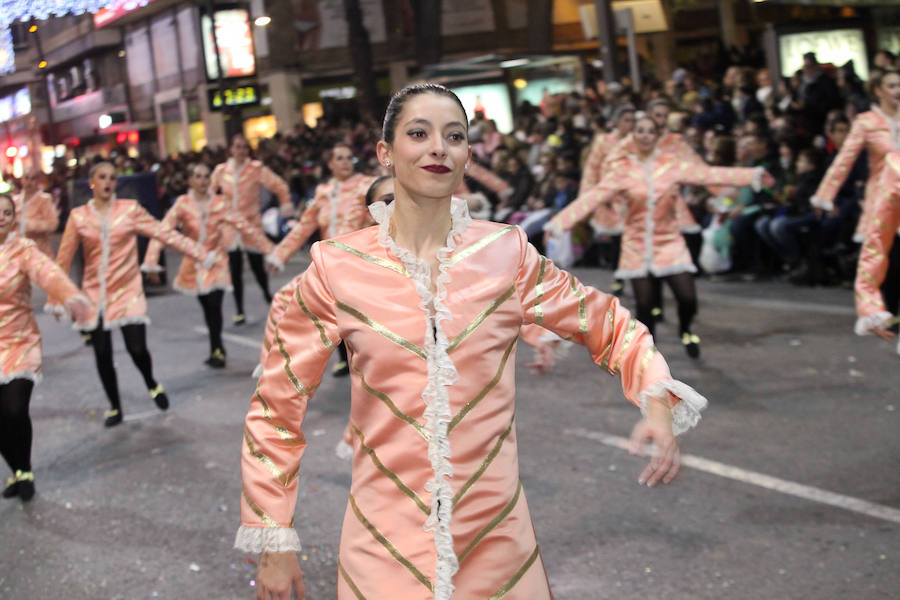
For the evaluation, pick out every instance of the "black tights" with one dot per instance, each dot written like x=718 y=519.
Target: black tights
x=15 y=424
x=212 y=314
x=682 y=286
x=236 y=266
x=136 y=344
x=890 y=289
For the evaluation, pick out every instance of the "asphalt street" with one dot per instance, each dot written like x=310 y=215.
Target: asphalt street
x=791 y=488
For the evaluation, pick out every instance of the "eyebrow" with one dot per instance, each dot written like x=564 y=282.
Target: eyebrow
x=421 y=121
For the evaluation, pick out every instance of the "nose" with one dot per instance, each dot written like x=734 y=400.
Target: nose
x=438 y=147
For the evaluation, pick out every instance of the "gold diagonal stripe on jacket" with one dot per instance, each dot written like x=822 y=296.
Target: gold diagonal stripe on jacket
x=484 y=464
x=284 y=479
x=269 y=521
x=480 y=244
x=390 y=404
x=477 y=321
x=509 y=585
x=645 y=360
x=630 y=333
x=484 y=391
x=493 y=524
x=283 y=432
x=346 y=577
x=375 y=260
x=325 y=339
x=604 y=362
x=539 y=293
x=582 y=305
x=383 y=331
x=379 y=537
x=387 y=472
x=301 y=389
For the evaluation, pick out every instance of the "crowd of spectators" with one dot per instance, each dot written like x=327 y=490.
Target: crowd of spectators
x=791 y=126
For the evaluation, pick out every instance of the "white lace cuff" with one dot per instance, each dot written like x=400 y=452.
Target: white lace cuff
x=879 y=320
x=55 y=309
x=148 y=268
x=210 y=260
x=271 y=259
x=820 y=203
x=756 y=183
x=686 y=413
x=267 y=539
x=257 y=371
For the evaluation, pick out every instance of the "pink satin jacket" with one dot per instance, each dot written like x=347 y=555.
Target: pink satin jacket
x=873 y=258
x=112 y=277
x=878 y=135
x=436 y=503
x=608 y=218
x=338 y=207
x=652 y=242
x=240 y=187
x=37 y=218
x=20 y=341
x=206 y=225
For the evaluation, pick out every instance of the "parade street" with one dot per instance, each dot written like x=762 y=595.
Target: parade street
x=790 y=487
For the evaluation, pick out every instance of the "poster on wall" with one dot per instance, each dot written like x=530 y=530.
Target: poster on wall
x=116 y=10
x=837 y=47
x=322 y=23
x=235 y=42
x=466 y=16
x=492 y=99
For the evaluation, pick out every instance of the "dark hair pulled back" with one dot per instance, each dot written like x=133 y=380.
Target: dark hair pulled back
x=395 y=107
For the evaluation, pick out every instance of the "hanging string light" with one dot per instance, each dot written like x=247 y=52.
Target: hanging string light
x=25 y=10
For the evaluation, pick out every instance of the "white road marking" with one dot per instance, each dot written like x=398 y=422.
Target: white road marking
x=806 y=492
x=147 y=414
x=240 y=340
x=786 y=305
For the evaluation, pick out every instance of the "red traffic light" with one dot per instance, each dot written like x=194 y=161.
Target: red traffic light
x=133 y=137
x=121 y=137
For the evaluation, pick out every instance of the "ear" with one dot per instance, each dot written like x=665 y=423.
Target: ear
x=383 y=151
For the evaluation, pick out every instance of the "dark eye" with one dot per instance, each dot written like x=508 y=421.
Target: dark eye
x=457 y=137
x=417 y=133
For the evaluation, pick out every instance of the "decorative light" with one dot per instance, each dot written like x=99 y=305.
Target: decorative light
x=42 y=64
x=11 y=152
x=32 y=29
x=104 y=121
x=262 y=21
x=26 y=10
x=133 y=137
x=520 y=84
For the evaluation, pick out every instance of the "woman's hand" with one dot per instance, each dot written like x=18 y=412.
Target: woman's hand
x=279 y=573
x=153 y=278
x=665 y=457
x=544 y=358
x=767 y=180
x=80 y=312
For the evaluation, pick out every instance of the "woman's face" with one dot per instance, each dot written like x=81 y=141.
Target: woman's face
x=889 y=90
x=341 y=163
x=384 y=192
x=625 y=124
x=804 y=165
x=7 y=215
x=708 y=138
x=199 y=180
x=240 y=149
x=645 y=134
x=104 y=182
x=430 y=148
x=30 y=182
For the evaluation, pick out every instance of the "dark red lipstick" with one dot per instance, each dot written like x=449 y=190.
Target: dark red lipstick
x=439 y=169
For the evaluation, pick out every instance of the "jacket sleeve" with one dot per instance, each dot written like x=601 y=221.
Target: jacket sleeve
x=488 y=179
x=840 y=167
x=619 y=343
x=873 y=258
x=154 y=248
x=698 y=173
x=297 y=236
x=47 y=217
x=47 y=275
x=303 y=339
x=586 y=203
x=147 y=226
x=276 y=185
x=593 y=165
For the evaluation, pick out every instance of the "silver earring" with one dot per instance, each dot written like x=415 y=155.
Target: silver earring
x=467 y=166
x=387 y=163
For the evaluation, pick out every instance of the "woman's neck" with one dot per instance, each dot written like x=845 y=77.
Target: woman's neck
x=200 y=196
x=420 y=225
x=102 y=206
x=887 y=107
x=645 y=155
x=4 y=235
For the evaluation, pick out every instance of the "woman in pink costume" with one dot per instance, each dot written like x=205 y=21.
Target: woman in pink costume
x=37 y=213
x=430 y=304
x=878 y=132
x=205 y=219
x=878 y=273
x=107 y=228
x=239 y=180
x=338 y=207
x=652 y=246
x=20 y=341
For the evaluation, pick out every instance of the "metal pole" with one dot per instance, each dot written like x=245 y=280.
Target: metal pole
x=46 y=92
x=226 y=110
x=606 y=39
x=625 y=20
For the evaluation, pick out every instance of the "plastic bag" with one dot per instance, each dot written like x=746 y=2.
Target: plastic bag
x=714 y=255
x=559 y=249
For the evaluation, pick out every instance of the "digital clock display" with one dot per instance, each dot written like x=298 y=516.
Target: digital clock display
x=248 y=94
